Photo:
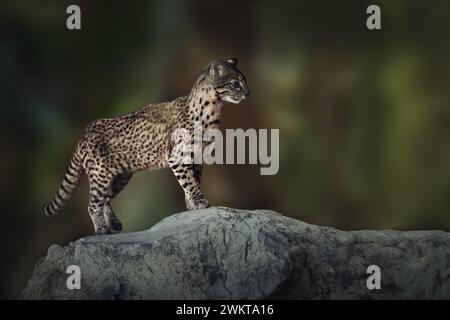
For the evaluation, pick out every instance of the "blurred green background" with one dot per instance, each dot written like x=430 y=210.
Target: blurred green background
x=364 y=116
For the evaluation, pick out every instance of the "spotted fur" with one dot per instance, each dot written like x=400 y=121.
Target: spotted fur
x=111 y=150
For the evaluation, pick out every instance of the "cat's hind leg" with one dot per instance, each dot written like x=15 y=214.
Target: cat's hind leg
x=95 y=209
x=118 y=184
x=99 y=194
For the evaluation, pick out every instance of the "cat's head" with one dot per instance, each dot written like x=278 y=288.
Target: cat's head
x=227 y=80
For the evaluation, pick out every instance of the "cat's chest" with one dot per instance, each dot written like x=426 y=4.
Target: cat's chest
x=210 y=117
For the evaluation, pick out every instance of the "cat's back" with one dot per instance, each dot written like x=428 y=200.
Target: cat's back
x=151 y=117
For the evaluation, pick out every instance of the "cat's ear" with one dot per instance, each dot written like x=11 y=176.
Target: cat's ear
x=233 y=61
x=217 y=69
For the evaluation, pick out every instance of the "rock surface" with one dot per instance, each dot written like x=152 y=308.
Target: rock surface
x=223 y=253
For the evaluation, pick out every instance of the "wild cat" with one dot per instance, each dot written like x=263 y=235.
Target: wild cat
x=111 y=150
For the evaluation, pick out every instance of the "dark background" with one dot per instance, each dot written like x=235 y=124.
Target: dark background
x=364 y=116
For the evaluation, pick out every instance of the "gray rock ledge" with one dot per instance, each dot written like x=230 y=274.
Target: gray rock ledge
x=224 y=253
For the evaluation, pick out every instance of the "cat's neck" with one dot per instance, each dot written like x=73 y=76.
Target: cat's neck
x=203 y=100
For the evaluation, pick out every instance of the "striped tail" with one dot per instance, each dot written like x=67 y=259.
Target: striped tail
x=68 y=186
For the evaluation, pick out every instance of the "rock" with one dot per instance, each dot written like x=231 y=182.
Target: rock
x=223 y=253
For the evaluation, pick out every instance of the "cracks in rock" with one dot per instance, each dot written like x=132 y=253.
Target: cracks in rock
x=247 y=244
x=215 y=272
x=224 y=237
x=120 y=295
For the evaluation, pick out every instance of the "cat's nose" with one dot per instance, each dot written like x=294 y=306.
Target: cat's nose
x=247 y=93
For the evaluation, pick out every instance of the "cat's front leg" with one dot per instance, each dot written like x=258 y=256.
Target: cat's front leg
x=188 y=179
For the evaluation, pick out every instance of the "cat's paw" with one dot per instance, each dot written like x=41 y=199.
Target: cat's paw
x=103 y=230
x=115 y=225
x=193 y=204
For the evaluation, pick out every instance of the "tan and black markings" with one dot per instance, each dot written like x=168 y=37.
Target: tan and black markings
x=112 y=149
